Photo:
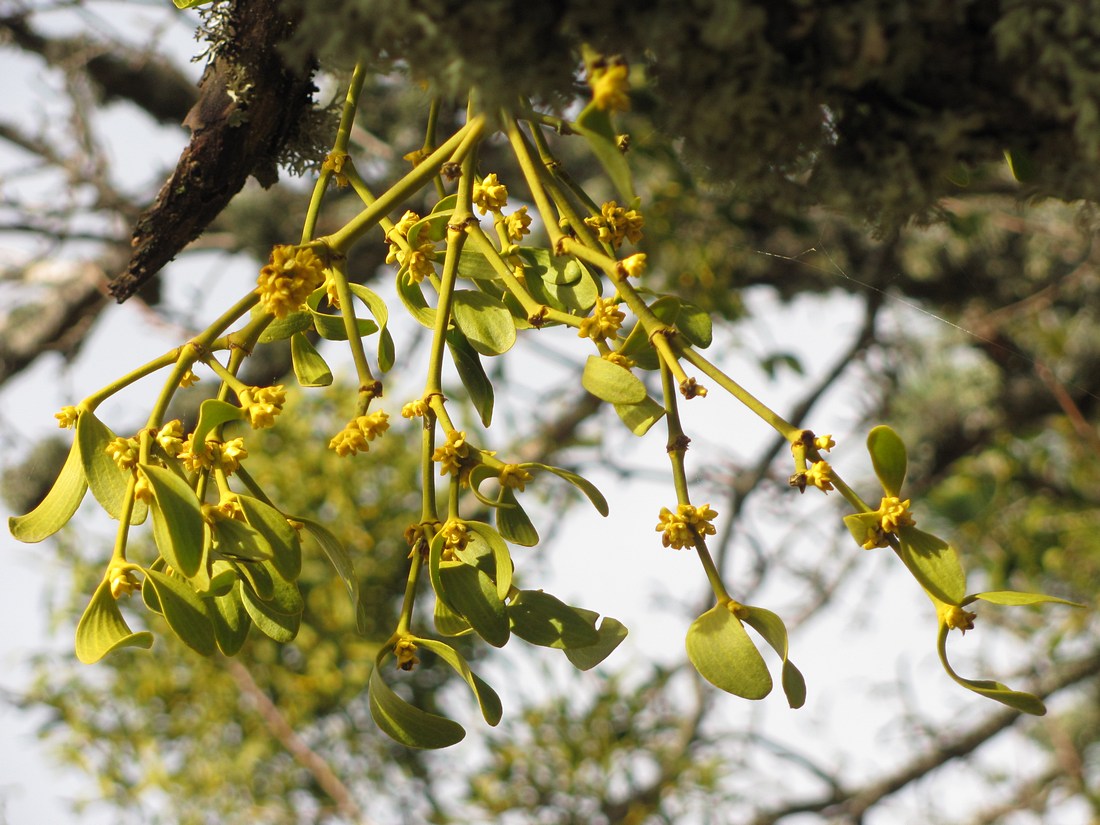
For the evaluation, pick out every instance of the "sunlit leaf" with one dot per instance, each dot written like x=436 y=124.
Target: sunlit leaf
x=184 y=611
x=487 y=698
x=641 y=416
x=889 y=458
x=332 y=327
x=771 y=627
x=725 y=656
x=448 y=622
x=230 y=621
x=581 y=483
x=59 y=505
x=473 y=594
x=610 y=633
x=413 y=298
x=472 y=373
x=513 y=522
x=286 y=549
x=213 y=413
x=1012 y=597
x=545 y=620
x=237 y=540
x=281 y=627
x=498 y=549
x=177 y=521
x=485 y=321
x=282 y=328
x=1019 y=700
x=406 y=723
x=310 y=368
x=107 y=481
x=102 y=629
x=934 y=564
x=381 y=313
x=611 y=382
x=695 y=324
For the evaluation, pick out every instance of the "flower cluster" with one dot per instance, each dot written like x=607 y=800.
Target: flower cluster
x=124 y=451
x=285 y=282
x=894 y=514
x=515 y=477
x=355 y=437
x=620 y=360
x=451 y=454
x=610 y=83
x=123 y=582
x=615 y=224
x=334 y=162
x=956 y=618
x=262 y=404
x=405 y=651
x=66 y=417
x=820 y=475
x=517 y=224
x=170 y=437
x=490 y=195
x=633 y=266
x=216 y=455
x=605 y=321
x=680 y=529
x=188 y=379
x=415 y=409
x=455 y=537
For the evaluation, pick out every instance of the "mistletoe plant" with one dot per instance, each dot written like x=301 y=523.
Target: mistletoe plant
x=228 y=556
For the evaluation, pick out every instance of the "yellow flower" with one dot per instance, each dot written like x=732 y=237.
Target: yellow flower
x=894 y=514
x=124 y=451
x=455 y=537
x=634 y=265
x=229 y=507
x=170 y=437
x=416 y=156
x=517 y=224
x=142 y=491
x=824 y=443
x=820 y=475
x=66 y=417
x=450 y=455
x=403 y=226
x=515 y=477
x=188 y=379
x=956 y=618
x=262 y=404
x=415 y=409
x=213 y=455
x=355 y=437
x=618 y=358
x=291 y=274
x=615 y=224
x=230 y=455
x=334 y=162
x=610 y=83
x=419 y=261
x=605 y=321
x=123 y=582
x=490 y=195
x=680 y=529
x=405 y=651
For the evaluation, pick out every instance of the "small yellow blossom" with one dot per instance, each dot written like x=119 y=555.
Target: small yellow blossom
x=142 y=491
x=406 y=222
x=515 y=477
x=123 y=582
x=355 y=437
x=291 y=274
x=334 y=162
x=262 y=404
x=956 y=618
x=894 y=514
x=490 y=195
x=455 y=537
x=614 y=224
x=405 y=651
x=415 y=409
x=124 y=451
x=415 y=533
x=680 y=529
x=517 y=224
x=820 y=475
x=824 y=443
x=419 y=261
x=610 y=83
x=605 y=321
x=66 y=417
x=231 y=454
x=213 y=455
x=634 y=265
x=618 y=358
x=450 y=455
x=188 y=379
x=229 y=508
x=416 y=156
x=170 y=437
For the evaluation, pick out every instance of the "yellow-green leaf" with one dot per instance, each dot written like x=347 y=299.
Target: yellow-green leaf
x=888 y=457
x=612 y=382
x=771 y=627
x=472 y=373
x=581 y=483
x=487 y=698
x=309 y=367
x=1013 y=597
x=610 y=633
x=107 y=481
x=282 y=627
x=59 y=505
x=184 y=611
x=102 y=629
x=177 y=521
x=230 y=621
x=641 y=416
x=485 y=321
x=282 y=328
x=333 y=327
x=545 y=620
x=286 y=549
x=341 y=562
x=213 y=413
x=725 y=656
x=381 y=313
x=934 y=564
x=513 y=522
x=407 y=724
x=594 y=124
x=471 y=593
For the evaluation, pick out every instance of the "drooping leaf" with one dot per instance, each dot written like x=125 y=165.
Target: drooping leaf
x=448 y=622
x=107 y=481
x=594 y=124
x=471 y=593
x=333 y=327
x=310 y=368
x=381 y=313
x=485 y=321
x=771 y=627
x=230 y=621
x=501 y=569
x=1013 y=597
x=611 y=633
x=59 y=505
x=513 y=522
x=581 y=483
x=611 y=382
x=934 y=564
x=213 y=413
x=102 y=629
x=545 y=620
x=487 y=698
x=281 y=627
x=184 y=611
x=1019 y=700
x=282 y=328
x=472 y=374
x=341 y=562
x=889 y=458
x=178 y=526
x=406 y=723
x=286 y=549
x=237 y=540
x=725 y=656
x=641 y=416
x=412 y=297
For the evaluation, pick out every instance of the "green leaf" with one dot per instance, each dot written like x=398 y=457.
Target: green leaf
x=331 y=327
x=565 y=275
x=611 y=382
x=487 y=698
x=107 y=481
x=286 y=549
x=641 y=416
x=934 y=564
x=485 y=321
x=341 y=562
x=448 y=622
x=433 y=226
x=1024 y=702
x=282 y=627
x=471 y=593
x=282 y=328
x=237 y=540
x=257 y=577
x=864 y=527
x=545 y=620
x=184 y=611
x=513 y=522
x=59 y=505
x=1013 y=597
x=309 y=367
x=888 y=456
x=771 y=627
x=381 y=313
x=610 y=633
x=549 y=283
x=472 y=374
x=178 y=526
x=213 y=413
x=594 y=124
x=413 y=298
x=581 y=483
x=725 y=656
x=102 y=629
x=637 y=346
x=474 y=266
x=695 y=324
x=230 y=621
x=502 y=560
x=407 y=724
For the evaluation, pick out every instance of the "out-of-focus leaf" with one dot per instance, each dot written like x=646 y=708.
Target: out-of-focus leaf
x=184 y=611
x=59 y=505
x=102 y=629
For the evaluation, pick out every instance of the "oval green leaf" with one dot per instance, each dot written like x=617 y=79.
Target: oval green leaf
x=472 y=373
x=107 y=481
x=471 y=593
x=448 y=622
x=310 y=368
x=381 y=313
x=487 y=698
x=545 y=620
x=213 y=413
x=485 y=321
x=407 y=724
x=889 y=458
x=59 y=505
x=237 y=540
x=230 y=621
x=641 y=416
x=1012 y=597
x=341 y=562
x=502 y=559
x=934 y=564
x=513 y=522
x=332 y=327
x=286 y=549
x=413 y=298
x=282 y=328
x=611 y=382
x=184 y=611
x=611 y=633
x=177 y=520
x=281 y=627
x=771 y=627
x=725 y=656
x=102 y=629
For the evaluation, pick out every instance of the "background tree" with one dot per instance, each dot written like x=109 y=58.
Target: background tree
x=824 y=131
